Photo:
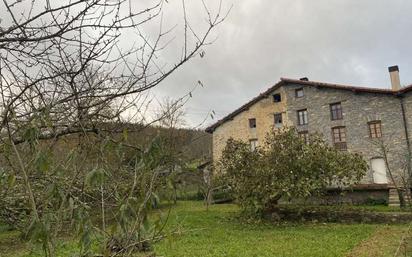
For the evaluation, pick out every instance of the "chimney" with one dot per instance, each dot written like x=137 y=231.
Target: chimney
x=395 y=80
x=304 y=79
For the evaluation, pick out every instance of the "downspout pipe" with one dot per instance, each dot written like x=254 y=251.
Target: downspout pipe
x=408 y=143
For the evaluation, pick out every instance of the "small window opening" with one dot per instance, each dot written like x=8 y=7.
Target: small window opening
x=278 y=120
x=299 y=92
x=375 y=129
x=277 y=98
x=339 y=138
x=303 y=117
x=336 y=111
x=252 y=123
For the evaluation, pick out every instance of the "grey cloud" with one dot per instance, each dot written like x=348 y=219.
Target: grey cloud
x=349 y=42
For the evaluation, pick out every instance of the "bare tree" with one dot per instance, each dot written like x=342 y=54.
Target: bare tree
x=400 y=178
x=171 y=114
x=67 y=59
x=71 y=71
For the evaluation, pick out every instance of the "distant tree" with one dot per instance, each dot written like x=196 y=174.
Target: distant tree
x=285 y=166
x=171 y=114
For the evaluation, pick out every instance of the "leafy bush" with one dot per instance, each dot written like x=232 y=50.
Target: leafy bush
x=285 y=166
x=96 y=191
x=222 y=195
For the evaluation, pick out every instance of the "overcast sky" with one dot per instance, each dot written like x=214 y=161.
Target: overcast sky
x=338 y=41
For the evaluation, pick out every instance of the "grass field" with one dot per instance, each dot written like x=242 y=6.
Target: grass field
x=225 y=236
x=218 y=232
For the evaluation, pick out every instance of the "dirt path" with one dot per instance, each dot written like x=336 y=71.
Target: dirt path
x=384 y=242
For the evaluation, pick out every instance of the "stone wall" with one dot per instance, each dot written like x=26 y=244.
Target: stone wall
x=337 y=197
x=358 y=110
x=335 y=215
x=238 y=128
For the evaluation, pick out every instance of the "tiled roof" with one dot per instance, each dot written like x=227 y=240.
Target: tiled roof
x=285 y=81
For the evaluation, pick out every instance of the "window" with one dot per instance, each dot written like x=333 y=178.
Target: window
x=277 y=98
x=252 y=123
x=299 y=92
x=375 y=129
x=336 y=111
x=278 y=120
x=253 y=144
x=303 y=117
x=339 y=138
x=304 y=135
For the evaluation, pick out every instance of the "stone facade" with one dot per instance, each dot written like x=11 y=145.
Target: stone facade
x=359 y=107
x=358 y=110
x=238 y=128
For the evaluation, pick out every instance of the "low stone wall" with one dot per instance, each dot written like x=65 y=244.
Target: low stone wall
x=365 y=194
x=324 y=214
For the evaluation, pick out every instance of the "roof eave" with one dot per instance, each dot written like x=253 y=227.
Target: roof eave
x=243 y=108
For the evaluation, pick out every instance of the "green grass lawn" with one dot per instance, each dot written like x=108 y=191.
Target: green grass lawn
x=11 y=245
x=218 y=232
x=222 y=235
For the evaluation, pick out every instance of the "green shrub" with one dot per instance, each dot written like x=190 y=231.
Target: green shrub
x=285 y=166
x=222 y=195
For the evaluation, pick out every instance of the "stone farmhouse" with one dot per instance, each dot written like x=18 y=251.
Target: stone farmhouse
x=350 y=118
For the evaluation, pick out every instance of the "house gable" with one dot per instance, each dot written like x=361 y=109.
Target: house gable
x=237 y=126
